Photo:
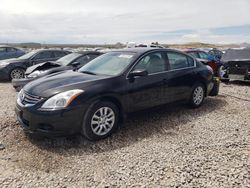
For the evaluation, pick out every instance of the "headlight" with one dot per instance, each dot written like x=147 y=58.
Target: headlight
x=20 y=96
x=35 y=74
x=4 y=64
x=61 y=100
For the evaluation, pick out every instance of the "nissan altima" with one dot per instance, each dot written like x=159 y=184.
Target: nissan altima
x=95 y=99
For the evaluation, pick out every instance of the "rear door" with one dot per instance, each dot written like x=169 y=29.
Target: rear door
x=181 y=75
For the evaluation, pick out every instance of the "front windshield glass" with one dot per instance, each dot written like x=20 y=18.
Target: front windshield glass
x=28 y=55
x=66 y=60
x=112 y=63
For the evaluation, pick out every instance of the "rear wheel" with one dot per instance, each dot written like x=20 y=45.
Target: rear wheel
x=17 y=73
x=100 y=121
x=198 y=95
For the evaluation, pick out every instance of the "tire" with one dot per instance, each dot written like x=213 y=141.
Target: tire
x=197 y=96
x=215 y=90
x=17 y=73
x=95 y=125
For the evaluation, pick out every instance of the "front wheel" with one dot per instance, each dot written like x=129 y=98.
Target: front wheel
x=198 y=95
x=100 y=121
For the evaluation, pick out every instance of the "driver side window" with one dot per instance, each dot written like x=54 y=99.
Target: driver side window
x=153 y=63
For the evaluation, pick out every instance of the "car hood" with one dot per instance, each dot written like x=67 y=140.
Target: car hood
x=42 y=66
x=50 y=85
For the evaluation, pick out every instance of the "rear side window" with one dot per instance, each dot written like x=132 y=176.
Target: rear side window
x=83 y=60
x=92 y=56
x=179 y=61
x=59 y=54
x=11 y=50
x=153 y=63
x=86 y=58
x=44 y=55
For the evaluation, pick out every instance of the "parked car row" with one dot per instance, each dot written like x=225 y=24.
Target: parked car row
x=69 y=62
x=95 y=99
x=15 y=68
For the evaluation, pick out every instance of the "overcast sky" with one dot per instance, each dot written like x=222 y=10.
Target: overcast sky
x=111 y=21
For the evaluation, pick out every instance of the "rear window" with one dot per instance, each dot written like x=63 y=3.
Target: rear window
x=179 y=61
x=59 y=54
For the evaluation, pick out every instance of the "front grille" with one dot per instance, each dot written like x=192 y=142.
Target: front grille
x=29 y=99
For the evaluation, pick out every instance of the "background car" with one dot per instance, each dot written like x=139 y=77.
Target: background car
x=68 y=62
x=216 y=53
x=236 y=64
x=208 y=59
x=8 y=52
x=15 y=68
x=96 y=98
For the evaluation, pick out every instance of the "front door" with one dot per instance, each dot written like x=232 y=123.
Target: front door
x=148 y=91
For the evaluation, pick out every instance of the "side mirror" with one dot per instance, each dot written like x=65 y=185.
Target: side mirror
x=75 y=64
x=138 y=72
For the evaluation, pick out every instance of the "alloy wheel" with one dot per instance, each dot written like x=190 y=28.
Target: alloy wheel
x=17 y=74
x=103 y=121
x=198 y=95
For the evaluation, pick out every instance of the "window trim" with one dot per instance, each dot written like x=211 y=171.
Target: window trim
x=144 y=55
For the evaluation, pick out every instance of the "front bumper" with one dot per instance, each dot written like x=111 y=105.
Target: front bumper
x=50 y=123
x=18 y=84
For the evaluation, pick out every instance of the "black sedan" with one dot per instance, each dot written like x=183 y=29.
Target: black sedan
x=71 y=61
x=96 y=98
x=15 y=68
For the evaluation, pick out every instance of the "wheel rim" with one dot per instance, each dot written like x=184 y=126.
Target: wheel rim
x=103 y=121
x=198 y=95
x=17 y=74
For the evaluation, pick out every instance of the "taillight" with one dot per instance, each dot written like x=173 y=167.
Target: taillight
x=210 y=69
x=213 y=65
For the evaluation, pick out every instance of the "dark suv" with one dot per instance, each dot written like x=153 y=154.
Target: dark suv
x=15 y=68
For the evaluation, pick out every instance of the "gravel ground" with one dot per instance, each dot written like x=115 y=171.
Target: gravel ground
x=170 y=146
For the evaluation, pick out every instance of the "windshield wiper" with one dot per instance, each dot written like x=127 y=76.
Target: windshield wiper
x=88 y=72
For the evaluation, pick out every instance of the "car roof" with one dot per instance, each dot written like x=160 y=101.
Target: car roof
x=88 y=52
x=236 y=55
x=6 y=46
x=45 y=50
x=144 y=50
x=194 y=50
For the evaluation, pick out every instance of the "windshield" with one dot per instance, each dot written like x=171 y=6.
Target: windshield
x=66 y=60
x=28 y=55
x=112 y=63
